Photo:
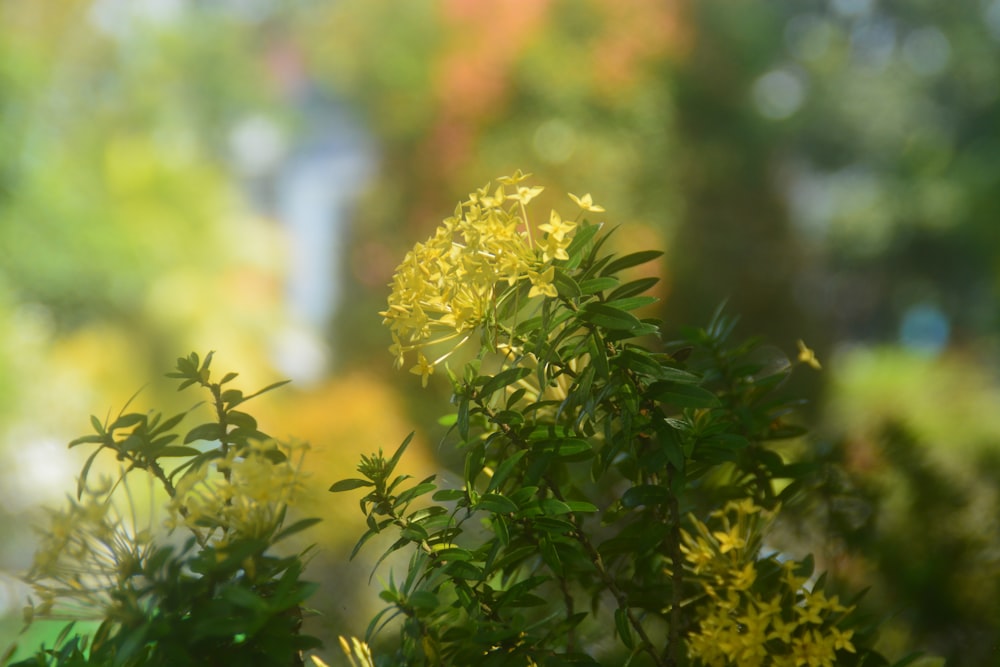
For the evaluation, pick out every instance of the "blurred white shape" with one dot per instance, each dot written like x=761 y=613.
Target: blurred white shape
x=779 y=93
x=301 y=355
x=118 y=17
x=35 y=470
x=554 y=141
x=927 y=51
x=257 y=145
x=873 y=41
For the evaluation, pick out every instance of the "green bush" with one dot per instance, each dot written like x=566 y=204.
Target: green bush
x=614 y=507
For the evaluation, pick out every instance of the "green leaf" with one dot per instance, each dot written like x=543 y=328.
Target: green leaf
x=566 y=286
x=683 y=395
x=645 y=494
x=349 y=485
x=633 y=288
x=581 y=506
x=623 y=627
x=86 y=440
x=631 y=303
x=391 y=465
x=598 y=284
x=502 y=379
x=414 y=492
x=96 y=423
x=270 y=387
x=578 y=246
x=81 y=482
x=630 y=260
x=496 y=503
x=505 y=469
x=124 y=421
x=447 y=495
x=209 y=432
x=168 y=452
x=610 y=318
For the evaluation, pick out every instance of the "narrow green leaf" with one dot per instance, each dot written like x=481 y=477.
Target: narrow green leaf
x=96 y=423
x=630 y=260
x=86 y=439
x=167 y=452
x=566 y=286
x=579 y=245
x=631 y=289
x=349 y=485
x=623 y=627
x=645 y=494
x=124 y=421
x=594 y=285
x=414 y=492
x=391 y=465
x=496 y=503
x=683 y=395
x=502 y=379
x=505 y=469
x=610 y=318
x=81 y=482
x=209 y=432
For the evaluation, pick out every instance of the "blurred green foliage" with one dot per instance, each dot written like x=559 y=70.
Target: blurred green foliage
x=830 y=167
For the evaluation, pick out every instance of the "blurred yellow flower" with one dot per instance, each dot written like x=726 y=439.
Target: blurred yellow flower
x=807 y=356
x=586 y=203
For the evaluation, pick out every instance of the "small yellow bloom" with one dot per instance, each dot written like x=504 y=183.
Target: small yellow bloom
x=807 y=356
x=525 y=195
x=728 y=541
x=423 y=368
x=541 y=283
x=586 y=203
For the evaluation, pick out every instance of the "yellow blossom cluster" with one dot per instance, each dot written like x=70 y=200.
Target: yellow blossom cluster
x=88 y=550
x=783 y=625
x=248 y=498
x=447 y=287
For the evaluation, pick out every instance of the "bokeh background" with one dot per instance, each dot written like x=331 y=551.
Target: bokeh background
x=244 y=175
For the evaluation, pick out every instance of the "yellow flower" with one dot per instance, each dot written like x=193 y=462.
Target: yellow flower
x=807 y=356
x=557 y=227
x=448 y=286
x=728 y=541
x=586 y=203
x=423 y=369
x=541 y=283
x=525 y=195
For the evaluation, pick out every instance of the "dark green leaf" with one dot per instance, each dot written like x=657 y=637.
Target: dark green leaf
x=168 y=451
x=349 y=485
x=633 y=288
x=209 y=432
x=598 y=285
x=645 y=494
x=633 y=259
x=566 y=286
x=610 y=318
x=623 y=627
x=683 y=395
x=86 y=440
x=502 y=379
x=81 y=482
x=496 y=503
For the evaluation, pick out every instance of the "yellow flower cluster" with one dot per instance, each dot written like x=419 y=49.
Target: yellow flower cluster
x=446 y=287
x=739 y=624
x=87 y=552
x=248 y=499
